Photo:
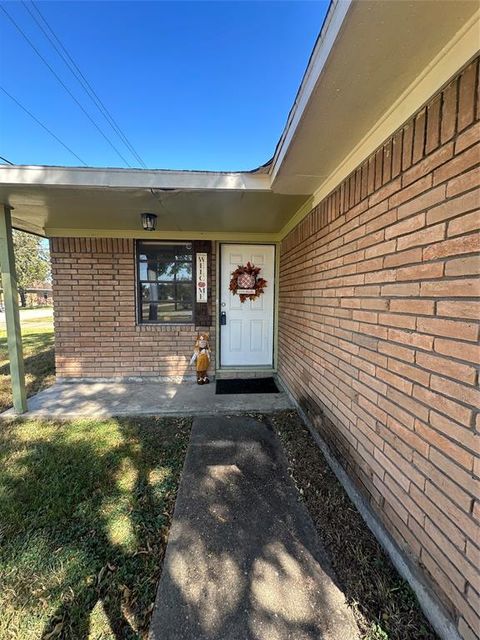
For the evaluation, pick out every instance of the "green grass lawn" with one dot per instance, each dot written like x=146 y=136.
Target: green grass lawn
x=38 y=352
x=85 y=509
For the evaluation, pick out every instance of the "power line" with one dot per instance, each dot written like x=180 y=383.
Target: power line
x=83 y=80
x=80 y=77
x=64 y=85
x=42 y=125
x=5 y=160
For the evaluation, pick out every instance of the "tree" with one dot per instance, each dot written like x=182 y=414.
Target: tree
x=32 y=260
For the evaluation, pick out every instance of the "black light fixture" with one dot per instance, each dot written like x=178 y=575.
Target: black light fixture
x=149 y=221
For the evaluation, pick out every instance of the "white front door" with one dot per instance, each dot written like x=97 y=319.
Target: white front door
x=247 y=337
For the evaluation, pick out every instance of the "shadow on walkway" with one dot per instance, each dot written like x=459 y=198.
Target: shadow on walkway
x=243 y=560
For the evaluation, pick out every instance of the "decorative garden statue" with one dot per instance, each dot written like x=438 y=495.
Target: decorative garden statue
x=201 y=356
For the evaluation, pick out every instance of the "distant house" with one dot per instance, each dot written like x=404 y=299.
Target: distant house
x=365 y=227
x=37 y=296
x=40 y=294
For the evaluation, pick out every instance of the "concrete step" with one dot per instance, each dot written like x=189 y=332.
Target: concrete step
x=229 y=374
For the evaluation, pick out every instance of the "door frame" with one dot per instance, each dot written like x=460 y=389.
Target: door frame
x=276 y=279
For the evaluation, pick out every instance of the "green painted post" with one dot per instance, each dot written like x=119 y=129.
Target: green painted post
x=10 y=294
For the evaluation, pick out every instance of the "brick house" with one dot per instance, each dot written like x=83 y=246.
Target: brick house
x=365 y=225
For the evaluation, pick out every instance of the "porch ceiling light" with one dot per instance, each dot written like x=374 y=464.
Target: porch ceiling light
x=149 y=221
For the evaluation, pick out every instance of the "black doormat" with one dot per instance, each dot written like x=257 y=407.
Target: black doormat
x=246 y=385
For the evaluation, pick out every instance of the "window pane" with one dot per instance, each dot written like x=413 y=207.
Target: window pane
x=149 y=292
x=148 y=252
x=181 y=271
x=183 y=256
x=178 y=315
x=166 y=270
x=175 y=311
x=169 y=271
x=166 y=282
x=149 y=312
x=165 y=312
x=148 y=270
x=184 y=295
x=166 y=291
x=152 y=271
x=175 y=251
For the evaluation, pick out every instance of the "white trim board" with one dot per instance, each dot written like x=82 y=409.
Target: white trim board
x=333 y=23
x=101 y=178
x=456 y=54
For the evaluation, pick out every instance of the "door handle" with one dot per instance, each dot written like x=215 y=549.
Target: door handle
x=223 y=318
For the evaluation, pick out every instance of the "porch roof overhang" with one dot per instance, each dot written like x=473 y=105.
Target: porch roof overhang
x=62 y=201
x=373 y=65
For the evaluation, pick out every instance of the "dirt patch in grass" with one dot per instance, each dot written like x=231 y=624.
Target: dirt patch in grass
x=384 y=605
x=85 y=510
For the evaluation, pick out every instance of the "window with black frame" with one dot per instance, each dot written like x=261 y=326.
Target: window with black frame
x=165 y=281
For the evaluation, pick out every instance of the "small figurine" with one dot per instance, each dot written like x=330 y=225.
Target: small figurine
x=201 y=355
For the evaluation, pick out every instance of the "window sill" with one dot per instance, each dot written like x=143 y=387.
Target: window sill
x=164 y=326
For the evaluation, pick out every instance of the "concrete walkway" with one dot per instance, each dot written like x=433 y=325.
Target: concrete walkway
x=243 y=560
x=103 y=399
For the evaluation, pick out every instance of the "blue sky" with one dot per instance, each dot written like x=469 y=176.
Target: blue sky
x=193 y=85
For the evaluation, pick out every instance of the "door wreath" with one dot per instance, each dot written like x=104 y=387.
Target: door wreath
x=246 y=282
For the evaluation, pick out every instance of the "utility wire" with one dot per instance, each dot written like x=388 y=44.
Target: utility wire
x=64 y=85
x=5 y=160
x=42 y=125
x=80 y=77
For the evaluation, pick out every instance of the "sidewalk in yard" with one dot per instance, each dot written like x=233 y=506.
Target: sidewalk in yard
x=243 y=561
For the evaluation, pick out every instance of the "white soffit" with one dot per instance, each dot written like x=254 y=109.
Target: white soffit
x=78 y=210
x=369 y=55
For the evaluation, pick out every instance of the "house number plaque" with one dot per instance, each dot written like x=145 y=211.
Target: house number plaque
x=202 y=275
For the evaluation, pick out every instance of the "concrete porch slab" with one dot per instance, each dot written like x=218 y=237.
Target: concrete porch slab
x=65 y=400
x=243 y=560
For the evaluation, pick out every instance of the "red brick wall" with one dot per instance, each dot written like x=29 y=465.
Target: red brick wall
x=378 y=332
x=96 y=334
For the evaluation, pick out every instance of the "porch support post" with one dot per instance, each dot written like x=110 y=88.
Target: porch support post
x=10 y=294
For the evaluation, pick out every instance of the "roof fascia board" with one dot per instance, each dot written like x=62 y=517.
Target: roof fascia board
x=320 y=54
x=21 y=225
x=132 y=179
x=455 y=55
